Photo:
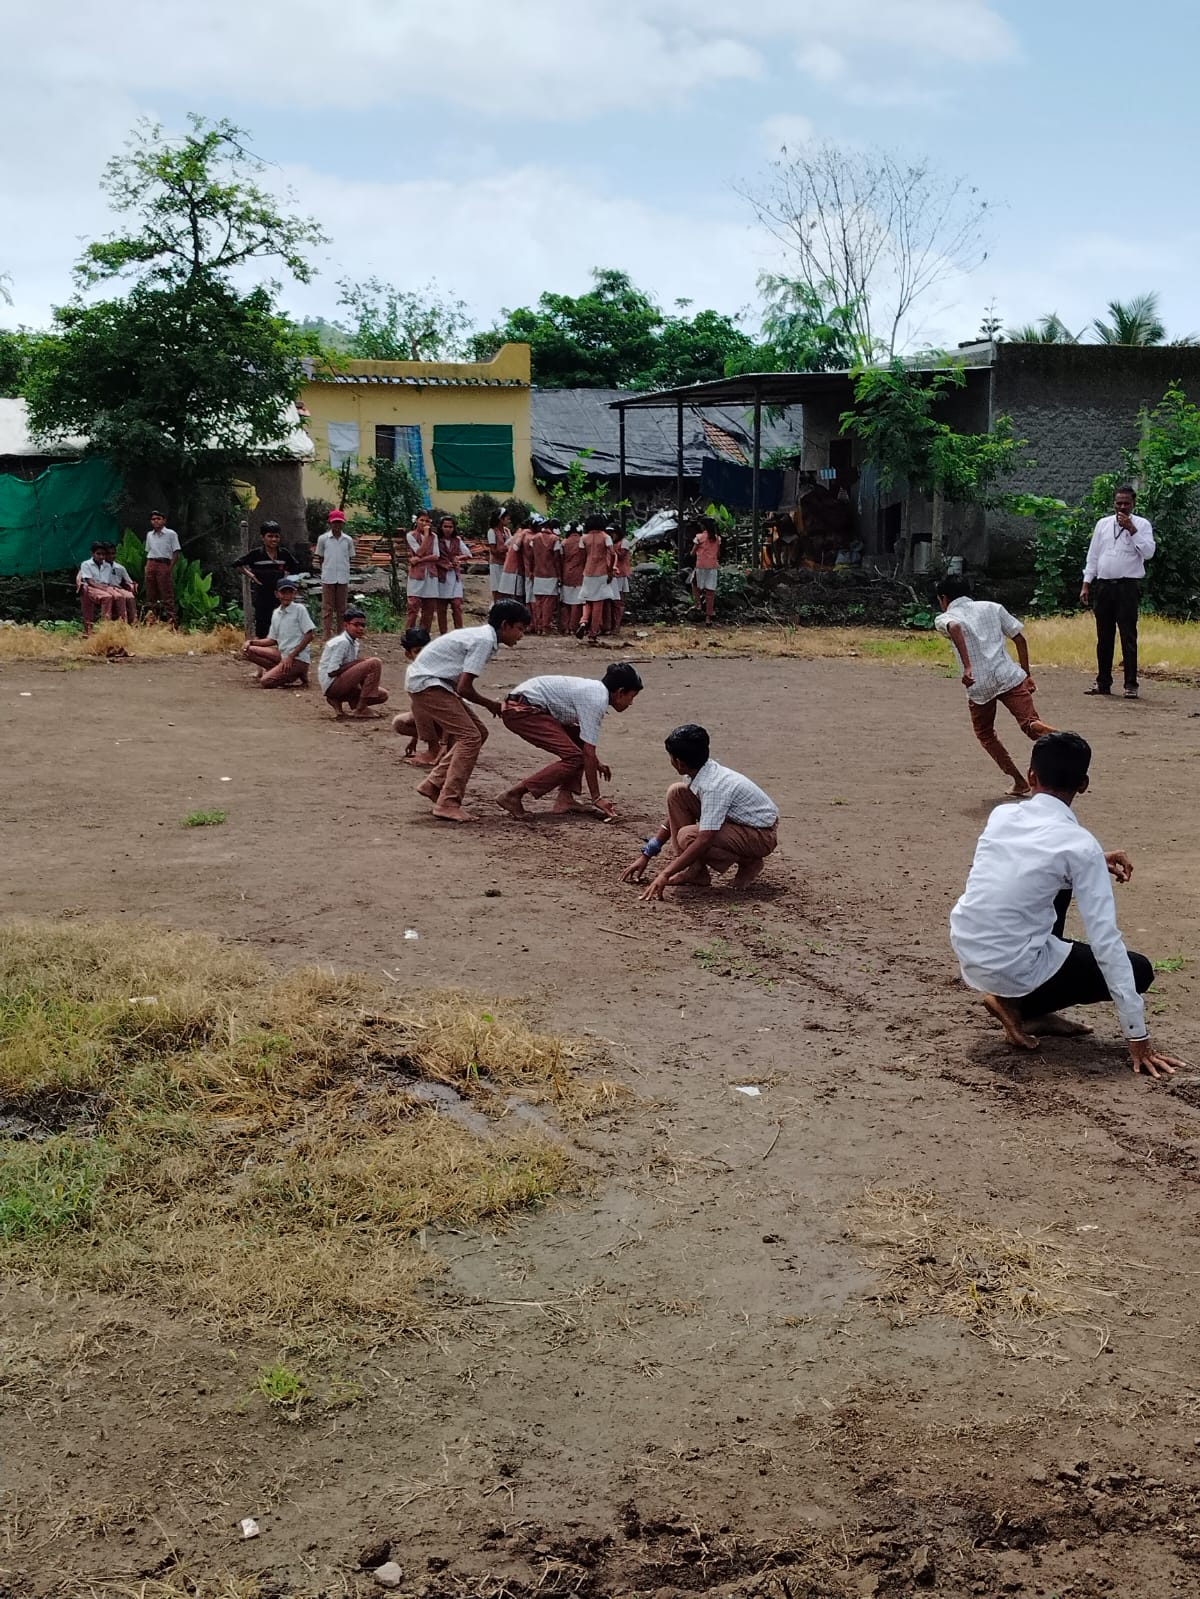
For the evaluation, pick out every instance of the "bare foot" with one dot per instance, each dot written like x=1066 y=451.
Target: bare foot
x=452 y=813
x=696 y=877
x=1011 y=1020
x=429 y=789
x=1018 y=791
x=747 y=872
x=564 y=803
x=426 y=762
x=514 y=803
x=367 y=715
x=1056 y=1026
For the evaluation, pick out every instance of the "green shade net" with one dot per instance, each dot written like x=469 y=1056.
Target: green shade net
x=51 y=522
x=474 y=457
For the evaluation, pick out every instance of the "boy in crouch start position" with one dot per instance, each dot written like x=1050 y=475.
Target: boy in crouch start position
x=715 y=819
x=440 y=682
x=1007 y=929
x=350 y=681
x=978 y=629
x=563 y=715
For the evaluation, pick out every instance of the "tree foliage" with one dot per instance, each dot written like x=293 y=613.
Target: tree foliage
x=187 y=373
x=616 y=337
x=804 y=330
x=388 y=499
x=1135 y=322
x=391 y=324
x=872 y=232
x=18 y=348
x=1165 y=466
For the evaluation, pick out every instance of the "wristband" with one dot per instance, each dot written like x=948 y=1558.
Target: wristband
x=651 y=848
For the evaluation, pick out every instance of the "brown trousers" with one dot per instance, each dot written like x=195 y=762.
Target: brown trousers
x=333 y=607
x=160 y=587
x=275 y=673
x=360 y=678
x=446 y=716
x=546 y=732
x=734 y=841
x=1019 y=701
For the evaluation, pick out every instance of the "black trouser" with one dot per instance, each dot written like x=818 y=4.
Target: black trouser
x=1079 y=980
x=1115 y=603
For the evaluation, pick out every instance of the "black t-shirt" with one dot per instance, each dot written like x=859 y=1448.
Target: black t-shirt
x=268 y=569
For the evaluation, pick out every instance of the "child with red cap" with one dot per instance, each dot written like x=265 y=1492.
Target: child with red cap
x=333 y=557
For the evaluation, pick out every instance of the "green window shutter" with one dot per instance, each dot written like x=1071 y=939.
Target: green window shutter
x=474 y=457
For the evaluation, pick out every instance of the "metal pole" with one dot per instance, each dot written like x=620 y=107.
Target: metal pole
x=621 y=466
x=679 y=539
x=754 y=505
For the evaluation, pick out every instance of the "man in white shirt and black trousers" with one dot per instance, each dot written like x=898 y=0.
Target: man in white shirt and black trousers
x=1112 y=585
x=1007 y=928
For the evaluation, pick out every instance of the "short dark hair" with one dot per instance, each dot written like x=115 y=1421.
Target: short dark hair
x=509 y=611
x=270 y=527
x=99 y=544
x=595 y=524
x=497 y=516
x=689 y=744
x=1060 y=761
x=952 y=586
x=415 y=638
x=1125 y=488
x=620 y=675
x=354 y=613
x=153 y=514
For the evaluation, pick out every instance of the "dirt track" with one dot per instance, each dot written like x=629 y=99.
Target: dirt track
x=692 y=1371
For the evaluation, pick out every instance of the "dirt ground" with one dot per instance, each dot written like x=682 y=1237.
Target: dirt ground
x=769 y=1347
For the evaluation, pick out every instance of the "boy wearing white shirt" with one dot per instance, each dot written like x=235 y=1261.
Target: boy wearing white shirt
x=440 y=682
x=283 y=655
x=1112 y=585
x=563 y=715
x=162 y=557
x=333 y=557
x=978 y=630
x=1007 y=927
x=346 y=679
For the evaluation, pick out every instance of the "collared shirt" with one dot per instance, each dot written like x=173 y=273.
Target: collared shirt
x=335 y=556
x=161 y=544
x=985 y=627
x=98 y=572
x=725 y=795
x=268 y=568
x=579 y=700
x=1114 y=553
x=444 y=660
x=288 y=626
x=1002 y=929
x=341 y=651
x=120 y=577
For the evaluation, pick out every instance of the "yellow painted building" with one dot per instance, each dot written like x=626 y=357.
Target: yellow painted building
x=461 y=427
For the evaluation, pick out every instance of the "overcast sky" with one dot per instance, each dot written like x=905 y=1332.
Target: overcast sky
x=504 y=147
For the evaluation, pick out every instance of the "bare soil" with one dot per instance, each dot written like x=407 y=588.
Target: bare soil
x=704 y=1372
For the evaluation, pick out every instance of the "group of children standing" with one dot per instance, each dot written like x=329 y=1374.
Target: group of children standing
x=574 y=580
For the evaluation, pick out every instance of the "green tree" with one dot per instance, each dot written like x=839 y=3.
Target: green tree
x=1049 y=329
x=18 y=347
x=391 y=324
x=188 y=372
x=388 y=499
x=804 y=329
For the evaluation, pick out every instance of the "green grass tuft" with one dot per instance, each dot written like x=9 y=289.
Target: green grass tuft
x=204 y=818
x=50 y=1188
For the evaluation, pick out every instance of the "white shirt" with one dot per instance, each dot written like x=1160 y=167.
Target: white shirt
x=444 y=660
x=288 y=626
x=1002 y=929
x=341 y=651
x=582 y=701
x=98 y=572
x=335 y=555
x=985 y=627
x=726 y=795
x=1115 y=553
x=161 y=545
x=120 y=577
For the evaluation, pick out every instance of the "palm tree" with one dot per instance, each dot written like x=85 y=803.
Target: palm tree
x=1134 y=321
x=1050 y=329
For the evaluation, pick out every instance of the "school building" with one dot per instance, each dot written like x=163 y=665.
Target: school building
x=461 y=427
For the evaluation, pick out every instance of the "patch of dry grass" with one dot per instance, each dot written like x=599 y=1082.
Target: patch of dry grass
x=253 y=1144
x=109 y=639
x=1014 y=1289
x=1166 y=648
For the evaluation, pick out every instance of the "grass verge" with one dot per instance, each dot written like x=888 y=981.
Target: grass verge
x=265 y=1148
x=110 y=639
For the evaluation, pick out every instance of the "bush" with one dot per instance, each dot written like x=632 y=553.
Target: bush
x=316 y=518
x=46 y=596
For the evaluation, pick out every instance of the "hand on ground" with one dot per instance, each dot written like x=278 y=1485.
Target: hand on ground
x=1146 y=1058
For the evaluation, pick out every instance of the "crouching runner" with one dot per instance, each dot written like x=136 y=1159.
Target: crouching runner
x=563 y=715
x=715 y=819
x=348 y=681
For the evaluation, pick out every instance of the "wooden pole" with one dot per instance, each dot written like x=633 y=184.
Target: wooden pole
x=680 y=552
x=621 y=466
x=754 y=495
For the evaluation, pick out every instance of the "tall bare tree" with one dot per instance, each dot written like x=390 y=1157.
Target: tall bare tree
x=876 y=232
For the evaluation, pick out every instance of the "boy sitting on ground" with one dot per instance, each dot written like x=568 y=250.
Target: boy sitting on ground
x=715 y=820
x=1007 y=929
x=347 y=680
x=283 y=656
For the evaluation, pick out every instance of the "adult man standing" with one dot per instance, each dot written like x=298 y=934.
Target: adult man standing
x=1112 y=576
x=334 y=555
x=162 y=557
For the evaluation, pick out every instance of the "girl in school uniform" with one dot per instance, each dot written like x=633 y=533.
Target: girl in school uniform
x=597 y=576
x=573 y=558
x=423 y=552
x=622 y=567
x=498 y=535
x=452 y=552
x=706 y=547
x=512 y=578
